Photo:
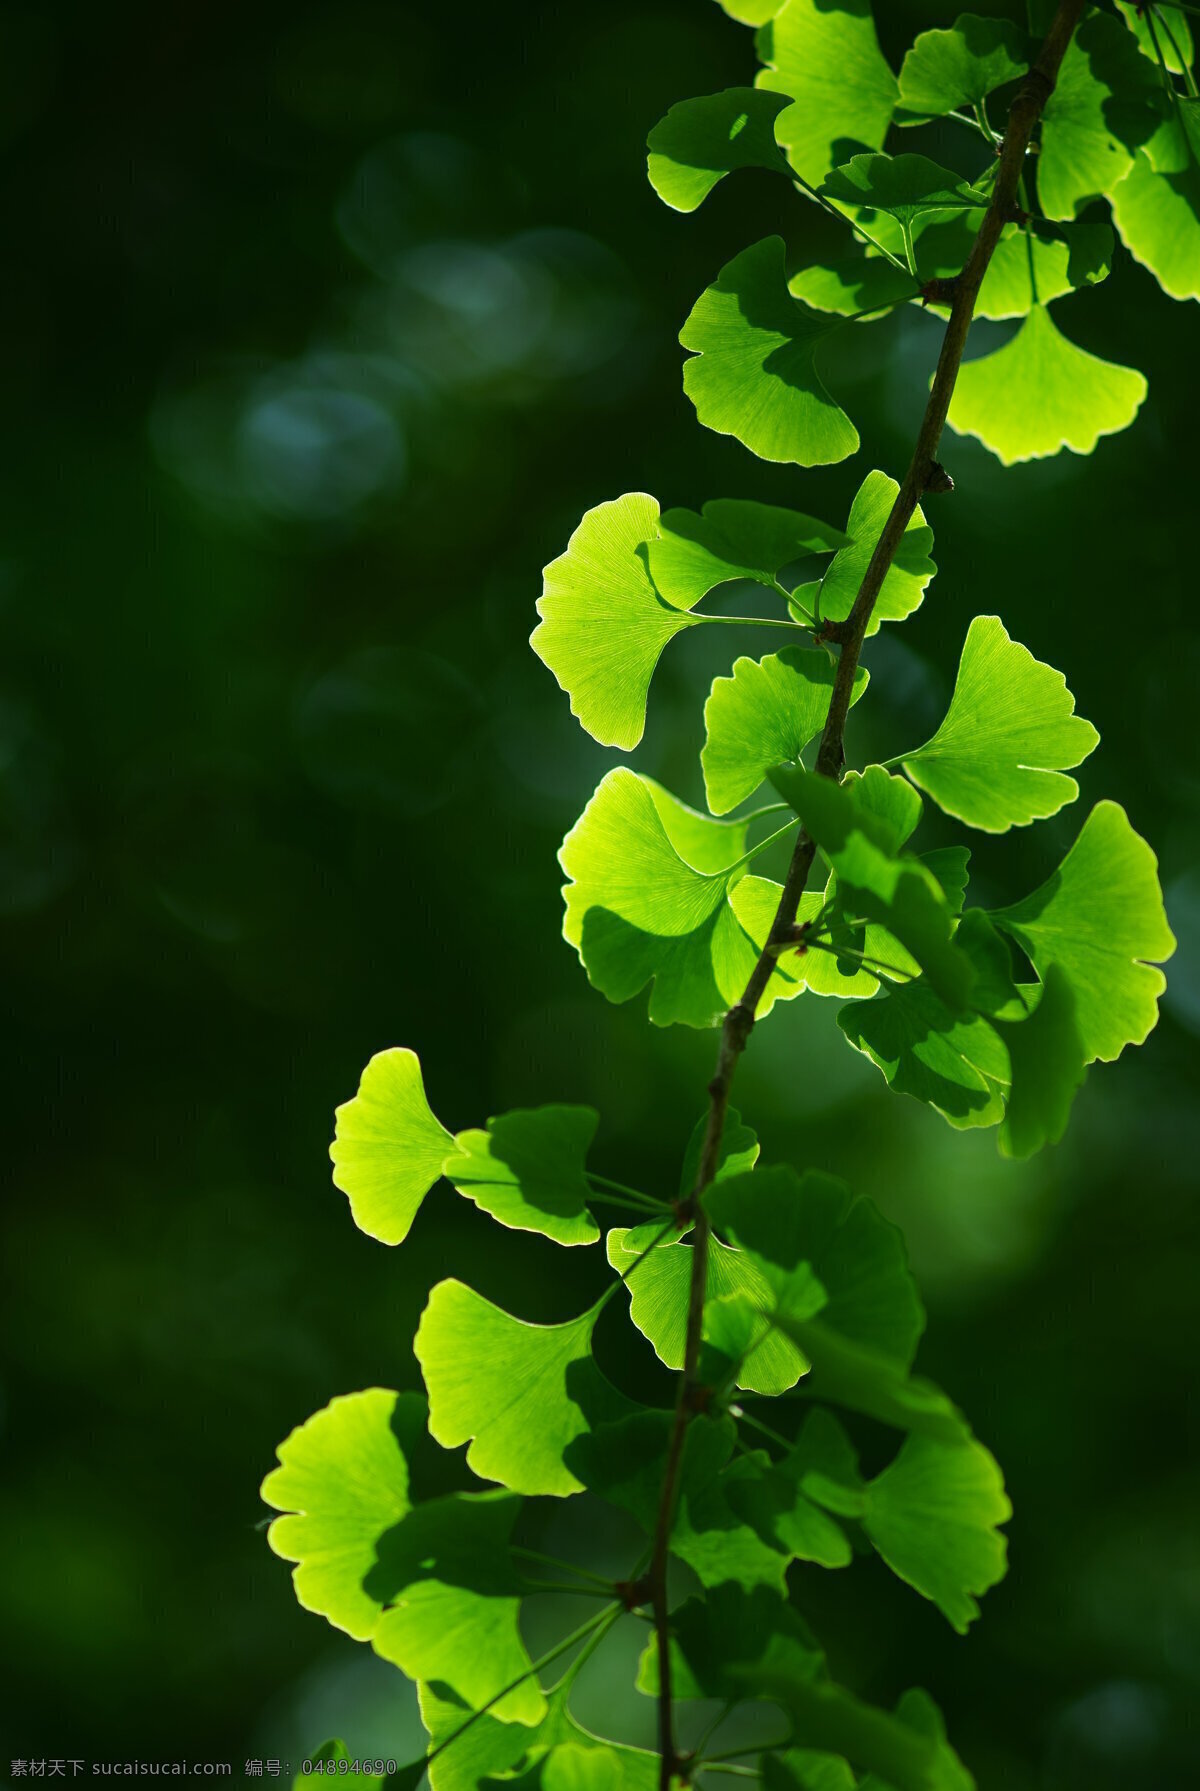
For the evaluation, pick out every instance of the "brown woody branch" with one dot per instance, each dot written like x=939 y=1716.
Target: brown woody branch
x=924 y=475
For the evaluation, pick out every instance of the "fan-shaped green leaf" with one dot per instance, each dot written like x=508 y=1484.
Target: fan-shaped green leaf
x=803 y=1769
x=932 y=1516
x=518 y=1393
x=486 y=1746
x=1104 y=107
x=342 y=1480
x=658 y=1302
x=624 y=1464
x=962 y=65
x=1172 y=29
x=388 y=1148
x=1040 y=393
x=800 y=1228
x=527 y=1171
x=755 y=901
x=767 y=712
x=824 y=55
x=854 y=285
x=731 y=538
x=737 y=1155
x=453 y=1602
x=603 y=623
x=1158 y=213
x=649 y=901
x=1048 y=1064
x=907 y=1751
x=894 y=890
x=996 y=761
x=1100 y=918
x=700 y=141
x=753 y=370
x=903 y=186
x=751 y=12
x=733 y=1627
x=910 y=571
x=955 y=1063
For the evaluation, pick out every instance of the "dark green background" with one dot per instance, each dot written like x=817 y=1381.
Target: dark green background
x=319 y=329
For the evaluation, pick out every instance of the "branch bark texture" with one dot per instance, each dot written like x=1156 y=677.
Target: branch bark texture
x=923 y=475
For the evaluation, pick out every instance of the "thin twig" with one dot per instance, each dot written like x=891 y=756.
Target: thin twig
x=923 y=474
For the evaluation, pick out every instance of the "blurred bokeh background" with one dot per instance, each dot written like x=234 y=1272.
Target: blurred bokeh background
x=320 y=327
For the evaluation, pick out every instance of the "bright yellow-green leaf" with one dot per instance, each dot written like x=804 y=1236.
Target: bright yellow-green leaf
x=960 y=66
x=996 y=761
x=1157 y=214
x=909 y=574
x=1171 y=28
x=527 y=1171
x=731 y=538
x=753 y=370
x=1104 y=107
x=603 y=624
x=388 y=1149
x=701 y=140
x=933 y=1514
x=767 y=712
x=824 y=55
x=1040 y=393
x=1100 y=918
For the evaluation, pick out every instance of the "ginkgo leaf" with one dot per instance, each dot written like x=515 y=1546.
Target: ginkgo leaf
x=1100 y=918
x=767 y=712
x=1173 y=32
x=701 y=140
x=649 y=901
x=890 y=888
x=731 y=538
x=932 y=1514
x=737 y=1155
x=1048 y=1065
x=733 y=1627
x=904 y=1752
x=1103 y=108
x=481 y=1744
x=910 y=571
x=955 y=1063
x=453 y=1601
x=998 y=756
x=527 y=1171
x=903 y=186
x=962 y=65
x=753 y=370
x=603 y=623
x=388 y=1148
x=797 y=1229
x=803 y=1769
x=624 y=1462
x=751 y=12
x=1158 y=214
x=824 y=55
x=517 y=1393
x=342 y=1481
x=755 y=900
x=1079 y=397
x=854 y=285
x=1077 y=255
x=658 y=1302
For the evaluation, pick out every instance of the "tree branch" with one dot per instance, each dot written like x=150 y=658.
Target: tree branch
x=923 y=475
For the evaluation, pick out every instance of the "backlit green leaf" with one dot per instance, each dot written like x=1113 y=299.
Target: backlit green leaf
x=1040 y=393
x=996 y=761
x=527 y=1171
x=955 y=1063
x=701 y=140
x=824 y=55
x=892 y=889
x=932 y=1516
x=731 y=538
x=1048 y=1063
x=733 y=1627
x=487 y=1746
x=751 y=12
x=1158 y=214
x=1103 y=108
x=603 y=623
x=658 y=1302
x=910 y=571
x=904 y=1752
x=962 y=65
x=1173 y=31
x=388 y=1148
x=753 y=370
x=767 y=712
x=737 y=1156
x=518 y=1393
x=903 y=186
x=798 y=1228
x=649 y=901
x=1100 y=918
x=342 y=1480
